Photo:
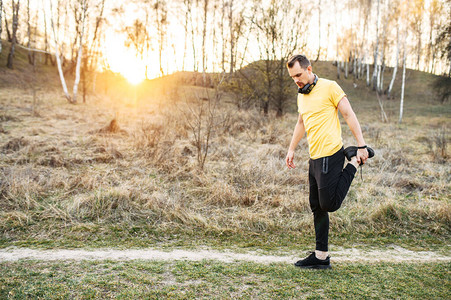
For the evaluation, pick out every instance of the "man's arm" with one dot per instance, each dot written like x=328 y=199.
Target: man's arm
x=299 y=131
x=351 y=119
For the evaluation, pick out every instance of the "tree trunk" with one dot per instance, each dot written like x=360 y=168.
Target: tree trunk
x=395 y=69
x=401 y=105
x=57 y=56
x=232 y=38
x=368 y=74
x=187 y=13
x=377 y=48
x=1 y=26
x=14 y=36
x=319 y=31
x=8 y=33
x=378 y=80
x=338 y=69
x=381 y=105
x=80 y=52
x=46 y=40
x=359 y=68
x=31 y=54
x=223 y=16
x=204 y=37
x=193 y=43
x=346 y=69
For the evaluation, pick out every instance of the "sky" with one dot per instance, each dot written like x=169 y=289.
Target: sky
x=122 y=59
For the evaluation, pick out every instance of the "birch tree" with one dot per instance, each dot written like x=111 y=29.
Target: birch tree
x=376 y=50
x=401 y=103
x=232 y=38
x=416 y=24
x=395 y=69
x=8 y=32
x=161 y=21
x=90 y=60
x=187 y=9
x=31 y=54
x=15 y=7
x=204 y=38
x=319 y=30
x=405 y=13
x=435 y=7
x=1 y=26
x=46 y=39
x=396 y=18
x=84 y=7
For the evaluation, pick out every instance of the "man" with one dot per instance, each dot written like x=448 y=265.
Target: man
x=319 y=101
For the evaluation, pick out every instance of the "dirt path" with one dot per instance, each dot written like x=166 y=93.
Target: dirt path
x=394 y=254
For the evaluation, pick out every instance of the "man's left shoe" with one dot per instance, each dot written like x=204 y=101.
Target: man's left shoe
x=311 y=262
x=351 y=151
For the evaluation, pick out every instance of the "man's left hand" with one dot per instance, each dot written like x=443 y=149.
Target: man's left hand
x=362 y=156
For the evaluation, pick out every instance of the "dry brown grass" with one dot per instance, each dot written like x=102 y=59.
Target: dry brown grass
x=59 y=164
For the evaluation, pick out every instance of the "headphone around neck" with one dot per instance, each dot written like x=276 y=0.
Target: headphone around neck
x=308 y=87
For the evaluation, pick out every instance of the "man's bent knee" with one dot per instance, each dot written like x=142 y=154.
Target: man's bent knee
x=328 y=203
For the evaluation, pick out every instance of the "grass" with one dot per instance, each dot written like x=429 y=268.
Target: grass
x=66 y=184
x=210 y=279
x=66 y=181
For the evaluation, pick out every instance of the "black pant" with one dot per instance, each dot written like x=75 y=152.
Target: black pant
x=329 y=184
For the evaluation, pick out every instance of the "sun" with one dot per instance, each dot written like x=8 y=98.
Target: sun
x=123 y=60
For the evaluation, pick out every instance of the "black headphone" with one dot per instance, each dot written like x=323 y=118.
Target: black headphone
x=308 y=87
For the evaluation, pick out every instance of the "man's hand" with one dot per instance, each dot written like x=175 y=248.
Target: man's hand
x=362 y=156
x=289 y=160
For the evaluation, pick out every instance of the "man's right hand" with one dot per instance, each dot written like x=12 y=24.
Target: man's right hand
x=289 y=160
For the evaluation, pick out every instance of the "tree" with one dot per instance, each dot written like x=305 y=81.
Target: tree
x=416 y=24
x=83 y=4
x=84 y=8
x=277 y=38
x=187 y=9
x=443 y=42
x=15 y=7
x=395 y=8
x=1 y=27
x=232 y=38
x=376 y=50
x=405 y=12
x=31 y=54
x=435 y=8
x=395 y=69
x=161 y=21
x=90 y=60
x=204 y=38
x=319 y=31
x=138 y=38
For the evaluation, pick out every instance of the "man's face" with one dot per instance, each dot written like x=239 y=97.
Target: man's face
x=300 y=76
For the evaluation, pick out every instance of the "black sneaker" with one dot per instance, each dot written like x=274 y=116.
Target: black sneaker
x=352 y=151
x=311 y=262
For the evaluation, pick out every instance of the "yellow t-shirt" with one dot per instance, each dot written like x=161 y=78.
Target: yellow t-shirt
x=320 y=115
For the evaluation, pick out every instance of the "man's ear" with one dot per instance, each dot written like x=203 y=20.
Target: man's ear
x=309 y=68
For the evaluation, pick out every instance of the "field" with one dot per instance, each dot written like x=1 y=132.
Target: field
x=72 y=178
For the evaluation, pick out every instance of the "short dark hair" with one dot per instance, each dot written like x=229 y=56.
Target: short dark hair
x=302 y=59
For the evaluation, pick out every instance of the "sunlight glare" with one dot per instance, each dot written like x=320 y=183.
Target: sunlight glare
x=123 y=60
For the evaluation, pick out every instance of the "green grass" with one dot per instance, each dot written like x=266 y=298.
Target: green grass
x=123 y=236
x=64 y=184
x=216 y=280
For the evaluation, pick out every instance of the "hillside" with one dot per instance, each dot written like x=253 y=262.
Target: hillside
x=70 y=177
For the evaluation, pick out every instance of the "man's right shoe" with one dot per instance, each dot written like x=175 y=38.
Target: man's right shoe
x=311 y=262
x=352 y=151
